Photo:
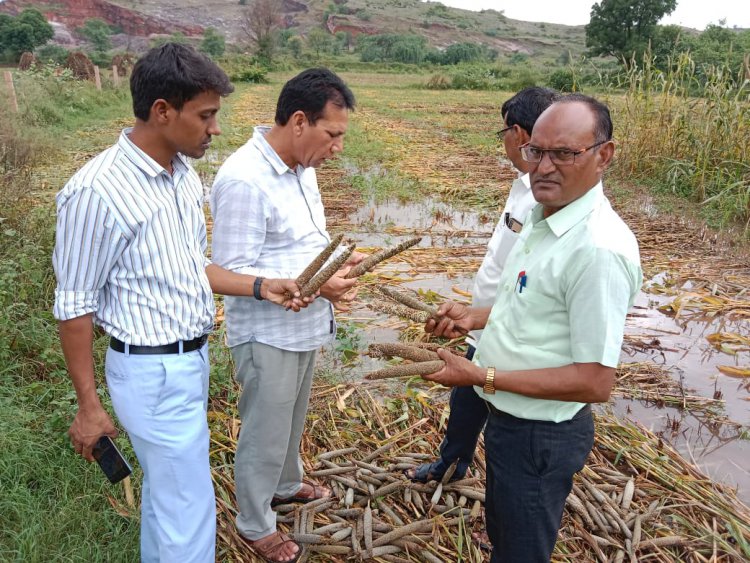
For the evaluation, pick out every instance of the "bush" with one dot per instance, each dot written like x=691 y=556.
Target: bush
x=439 y=82
x=52 y=54
x=563 y=80
x=253 y=74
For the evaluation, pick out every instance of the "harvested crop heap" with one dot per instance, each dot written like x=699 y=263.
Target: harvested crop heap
x=637 y=495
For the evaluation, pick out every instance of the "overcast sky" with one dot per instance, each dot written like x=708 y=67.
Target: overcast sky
x=690 y=13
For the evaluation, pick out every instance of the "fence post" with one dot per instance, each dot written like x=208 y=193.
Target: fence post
x=97 y=78
x=11 y=90
x=115 y=76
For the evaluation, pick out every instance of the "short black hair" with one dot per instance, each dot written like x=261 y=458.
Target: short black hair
x=603 y=120
x=309 y=92
x=176 y=73
x=527 y=105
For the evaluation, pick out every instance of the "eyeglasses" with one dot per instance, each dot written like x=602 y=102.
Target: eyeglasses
x=557 y=156
x=500 y=133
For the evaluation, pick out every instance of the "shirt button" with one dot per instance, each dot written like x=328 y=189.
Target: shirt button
x=527 y=251
x=507 y=287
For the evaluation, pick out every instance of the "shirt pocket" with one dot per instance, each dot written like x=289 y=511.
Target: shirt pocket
x=533 y=313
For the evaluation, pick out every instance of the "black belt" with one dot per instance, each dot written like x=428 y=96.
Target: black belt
x=586 y=409
x=173 y=348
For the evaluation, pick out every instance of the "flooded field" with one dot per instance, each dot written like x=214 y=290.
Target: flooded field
x=715 y=437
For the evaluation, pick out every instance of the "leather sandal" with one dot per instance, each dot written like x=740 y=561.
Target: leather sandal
x=267 y=552
x=318 y=492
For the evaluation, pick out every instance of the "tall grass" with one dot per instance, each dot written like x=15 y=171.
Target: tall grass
x=689 y=134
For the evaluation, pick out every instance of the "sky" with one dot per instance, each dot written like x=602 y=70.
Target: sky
x=689 y=13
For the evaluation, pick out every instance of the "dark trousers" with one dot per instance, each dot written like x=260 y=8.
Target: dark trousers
x=530 y=468
x=465 y=423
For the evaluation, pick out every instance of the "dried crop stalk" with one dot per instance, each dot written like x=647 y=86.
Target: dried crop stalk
x=404 y=370
x=408 y=300
x=398 y=350
x=400 y=311
x=312 y=268
x=326 y=273
x=374 y=259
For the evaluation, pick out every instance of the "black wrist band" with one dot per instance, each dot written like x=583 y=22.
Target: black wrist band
x=256 y=288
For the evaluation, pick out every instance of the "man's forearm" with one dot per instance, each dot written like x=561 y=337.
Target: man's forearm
x=76 y=338
x=226 y=282
x=584 y=383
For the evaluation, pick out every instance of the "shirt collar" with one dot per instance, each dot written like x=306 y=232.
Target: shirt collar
x=259 y=138
x=143 y=161
x=566 y=218
x=526 y=179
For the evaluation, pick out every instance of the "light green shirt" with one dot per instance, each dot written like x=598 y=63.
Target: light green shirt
x=583 y=271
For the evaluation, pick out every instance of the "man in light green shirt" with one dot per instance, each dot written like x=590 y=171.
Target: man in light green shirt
x=552 y=340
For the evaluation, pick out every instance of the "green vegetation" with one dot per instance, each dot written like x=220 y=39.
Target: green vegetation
x=412 y=48
x=24 y=32
x=214 y=43
x=623 y=27
x=98 y=33
x=54 y=506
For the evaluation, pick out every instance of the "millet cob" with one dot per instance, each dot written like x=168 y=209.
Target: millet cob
x=374 y=259
x=326 y=273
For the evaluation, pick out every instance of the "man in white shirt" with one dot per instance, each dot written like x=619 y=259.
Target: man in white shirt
x=269 y=221
x=553 y=337
x=130 y=257
x=468 y=413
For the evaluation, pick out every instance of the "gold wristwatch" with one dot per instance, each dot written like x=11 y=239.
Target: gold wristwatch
x=489 y=382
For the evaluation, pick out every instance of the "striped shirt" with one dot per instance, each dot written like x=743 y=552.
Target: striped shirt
x=130 y=248
x=269 y=221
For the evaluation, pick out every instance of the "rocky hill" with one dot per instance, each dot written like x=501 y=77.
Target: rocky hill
x=441 y=25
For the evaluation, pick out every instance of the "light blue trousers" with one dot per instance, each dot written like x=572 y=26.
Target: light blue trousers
x=161 y=401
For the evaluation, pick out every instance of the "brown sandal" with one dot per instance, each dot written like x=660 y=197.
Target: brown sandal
x=318 y=492
x=266 y=552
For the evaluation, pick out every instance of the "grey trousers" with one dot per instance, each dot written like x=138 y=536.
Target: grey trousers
x=273 y=407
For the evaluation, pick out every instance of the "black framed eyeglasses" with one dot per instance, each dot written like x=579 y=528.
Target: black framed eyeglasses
x=500 y=133
x=557 y=156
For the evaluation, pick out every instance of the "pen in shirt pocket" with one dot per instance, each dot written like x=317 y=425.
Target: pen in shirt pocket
x=521 y=281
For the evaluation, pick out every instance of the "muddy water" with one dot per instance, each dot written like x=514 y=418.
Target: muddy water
x=719 y=445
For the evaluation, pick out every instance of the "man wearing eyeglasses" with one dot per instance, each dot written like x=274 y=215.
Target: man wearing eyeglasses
x=468 y=414
x=552 y=339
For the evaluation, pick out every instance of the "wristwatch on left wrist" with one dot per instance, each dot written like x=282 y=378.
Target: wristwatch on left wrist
x=489 y=382
x=256 y=288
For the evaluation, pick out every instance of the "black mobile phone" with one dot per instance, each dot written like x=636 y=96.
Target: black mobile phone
x=111 y=460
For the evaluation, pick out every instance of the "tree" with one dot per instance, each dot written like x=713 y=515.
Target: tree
x=98 y=33
x=404 y=48
x=294 y=44
x=261 y=25
x=213 y=42
x=42 y=31
x=319 y=41
x=463 y=52
x=622 y=28
x=24 y=32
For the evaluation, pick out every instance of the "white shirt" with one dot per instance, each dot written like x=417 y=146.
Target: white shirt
x=517 y=207
x=269 y=221
x=130 y=248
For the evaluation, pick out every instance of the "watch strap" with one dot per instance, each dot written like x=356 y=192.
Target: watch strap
x=256 y=288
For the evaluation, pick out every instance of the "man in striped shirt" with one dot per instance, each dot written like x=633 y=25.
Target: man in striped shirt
x=269 y=221
x=130 y=257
